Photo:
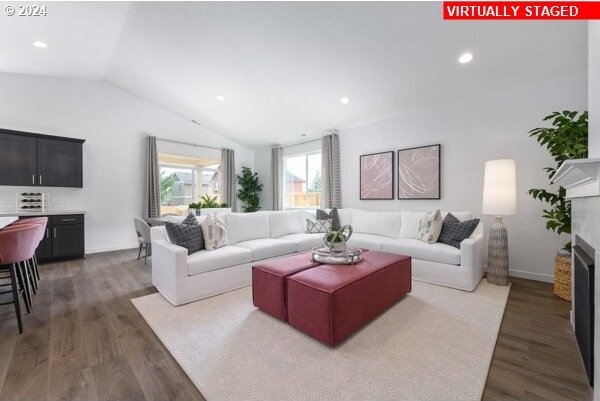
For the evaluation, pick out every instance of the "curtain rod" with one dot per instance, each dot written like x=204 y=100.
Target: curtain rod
x=297 y=143
x=187 y=143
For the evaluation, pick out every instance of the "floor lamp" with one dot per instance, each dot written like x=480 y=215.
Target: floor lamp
x=499 y=199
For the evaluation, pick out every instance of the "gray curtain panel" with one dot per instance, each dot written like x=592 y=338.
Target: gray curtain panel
x=277 y=176
x=151 y=180
x=331 y=190
x=228 y=179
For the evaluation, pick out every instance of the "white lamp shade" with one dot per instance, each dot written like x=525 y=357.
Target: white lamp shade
x=500 y=188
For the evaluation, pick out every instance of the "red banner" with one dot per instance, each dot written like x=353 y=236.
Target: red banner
x=521 y=10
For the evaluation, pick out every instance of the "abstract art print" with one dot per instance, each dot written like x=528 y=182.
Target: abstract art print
x=377 y=176
x=419 y=173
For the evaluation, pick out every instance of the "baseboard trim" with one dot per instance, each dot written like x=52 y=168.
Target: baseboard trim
x=111 y=248
x=547 y=278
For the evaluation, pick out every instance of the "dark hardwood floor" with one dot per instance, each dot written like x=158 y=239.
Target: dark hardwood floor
x=85 y=340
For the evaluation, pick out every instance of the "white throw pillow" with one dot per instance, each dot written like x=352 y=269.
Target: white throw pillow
x=410 y=224
x=318 y=226
x=214 y=232
x=247 y=226
x=386 y=224
x=430 y=227
x=283 y=223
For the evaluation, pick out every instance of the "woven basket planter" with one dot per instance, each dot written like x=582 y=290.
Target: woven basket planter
x=562 y=276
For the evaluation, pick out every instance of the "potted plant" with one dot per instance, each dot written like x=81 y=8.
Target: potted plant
x=566 y=139
x=208 y=205
x=336 y=240
x=250 y=190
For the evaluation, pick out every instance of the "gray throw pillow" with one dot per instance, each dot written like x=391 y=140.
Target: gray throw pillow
x=188 y=236
x=455 y=231
x=333 y=215
x=191 y=220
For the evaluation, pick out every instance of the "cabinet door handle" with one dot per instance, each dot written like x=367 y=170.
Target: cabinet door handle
x=54 y=232
x=68 y=219
x=33 y=179
x=47 y=233
x=40 y=179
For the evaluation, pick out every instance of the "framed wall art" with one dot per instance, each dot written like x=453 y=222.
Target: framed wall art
x=377 y=176
x=419 y=173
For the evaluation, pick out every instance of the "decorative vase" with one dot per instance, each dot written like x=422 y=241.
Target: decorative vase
x=497 y=270
x=562 y=276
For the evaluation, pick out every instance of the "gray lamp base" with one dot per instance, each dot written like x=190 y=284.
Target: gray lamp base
x=497 y=262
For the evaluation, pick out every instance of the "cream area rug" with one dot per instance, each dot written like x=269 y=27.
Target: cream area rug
x=435 y=344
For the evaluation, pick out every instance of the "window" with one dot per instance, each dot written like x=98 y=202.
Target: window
x=184 y=180
x=302 y=180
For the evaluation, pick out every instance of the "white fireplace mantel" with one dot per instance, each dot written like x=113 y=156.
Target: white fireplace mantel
x=580 y=177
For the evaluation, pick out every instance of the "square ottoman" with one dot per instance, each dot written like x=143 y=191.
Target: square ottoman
x=269 y=282
x=331 y=302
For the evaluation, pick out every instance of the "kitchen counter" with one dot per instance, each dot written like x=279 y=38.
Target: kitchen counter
x=46 y=213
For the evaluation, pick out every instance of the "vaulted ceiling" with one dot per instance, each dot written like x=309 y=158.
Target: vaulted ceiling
x=283 y=67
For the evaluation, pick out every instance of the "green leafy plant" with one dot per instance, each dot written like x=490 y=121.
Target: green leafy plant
x=166 y=186
x=567 y=139
x=207 y=202
x=250 y=190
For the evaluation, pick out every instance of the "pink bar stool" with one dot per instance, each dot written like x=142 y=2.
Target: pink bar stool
x=35 y=220
x=27 y=266
x=17 y=245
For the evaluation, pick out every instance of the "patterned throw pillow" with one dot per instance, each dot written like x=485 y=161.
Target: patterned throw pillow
x=430 y=227
x=215 y=233
x=188 y=236
x=318 y=226
x=191 y=220
x=455 y=231
x=333 y=215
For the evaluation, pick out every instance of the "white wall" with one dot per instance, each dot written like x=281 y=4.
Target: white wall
x=114 y=124
x=594 y=87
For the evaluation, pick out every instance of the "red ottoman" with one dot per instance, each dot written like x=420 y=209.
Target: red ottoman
x=330 y=302
x=269 y=282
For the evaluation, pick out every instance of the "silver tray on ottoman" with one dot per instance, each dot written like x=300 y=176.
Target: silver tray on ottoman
x=350 y=256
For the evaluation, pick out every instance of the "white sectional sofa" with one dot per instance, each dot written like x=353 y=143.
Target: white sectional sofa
x=253 y=237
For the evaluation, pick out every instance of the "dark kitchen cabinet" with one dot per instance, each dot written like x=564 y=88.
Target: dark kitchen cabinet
x=18 y=163
x=59 y=163
x=44 y=249
x=28 y=159
x=67 y=240
x=64 y=238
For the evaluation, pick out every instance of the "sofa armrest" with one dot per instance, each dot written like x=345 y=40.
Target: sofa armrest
x=471 y=256
x=169 y=266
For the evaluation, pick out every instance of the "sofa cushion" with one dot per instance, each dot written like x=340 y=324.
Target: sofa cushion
x=345 y=216
x=386 y=224
x=368 y=241
x=247 y=226
x=417 y=249
x=283 y=223
x=227 y=256
x=305 y=242
x=265 y=248
x=410 y=224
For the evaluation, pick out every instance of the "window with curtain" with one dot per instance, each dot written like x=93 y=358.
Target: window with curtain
x=302 y=180
x=184 y=179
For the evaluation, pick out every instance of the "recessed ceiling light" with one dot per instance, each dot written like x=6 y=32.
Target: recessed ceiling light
x=465 y=58
x=345 y=100
x=39 y=43
x=220 y=98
